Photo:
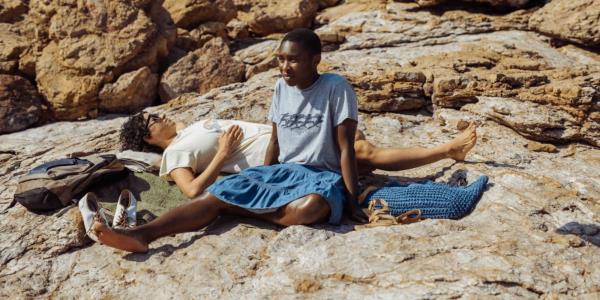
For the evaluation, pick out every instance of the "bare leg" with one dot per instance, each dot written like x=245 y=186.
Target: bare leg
x=199 y=213
x=370 y=157
x=311 y=209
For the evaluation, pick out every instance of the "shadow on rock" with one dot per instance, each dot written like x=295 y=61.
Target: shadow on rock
x=165 y=250
x=220 y=226
x=587 y=232
x=476 y=8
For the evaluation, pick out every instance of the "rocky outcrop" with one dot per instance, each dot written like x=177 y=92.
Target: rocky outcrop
x=396 y=24
x=190 y=13
x=346 y=7
x=20 y=104
x=200 y=71
x=132 y=92
x=11 y=47
x=495 y=3
x=276 y=16
x=86 y=45
x=576 y=21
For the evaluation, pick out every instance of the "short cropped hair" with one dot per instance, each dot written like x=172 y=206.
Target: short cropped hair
x=132 y=135
x=307 y=38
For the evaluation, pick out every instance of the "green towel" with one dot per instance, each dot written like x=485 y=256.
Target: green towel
x=155 y=196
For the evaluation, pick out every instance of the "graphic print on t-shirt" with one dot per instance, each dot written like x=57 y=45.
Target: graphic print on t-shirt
x=294 y=121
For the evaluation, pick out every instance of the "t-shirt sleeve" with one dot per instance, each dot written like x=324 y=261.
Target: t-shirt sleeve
x=173 y=159
x=344 y=102
x=274 y=110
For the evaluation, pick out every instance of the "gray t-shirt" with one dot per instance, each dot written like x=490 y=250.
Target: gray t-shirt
x=306 y=120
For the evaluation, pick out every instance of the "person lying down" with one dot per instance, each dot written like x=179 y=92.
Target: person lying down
x=193 y=156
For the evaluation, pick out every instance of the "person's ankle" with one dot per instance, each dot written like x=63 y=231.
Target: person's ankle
x=445 y=150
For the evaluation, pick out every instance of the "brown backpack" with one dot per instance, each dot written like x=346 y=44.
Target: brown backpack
x=58 y=183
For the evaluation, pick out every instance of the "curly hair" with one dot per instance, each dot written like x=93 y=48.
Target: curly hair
x=132 y=135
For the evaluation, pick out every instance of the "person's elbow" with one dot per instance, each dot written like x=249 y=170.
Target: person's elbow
x=192 y=191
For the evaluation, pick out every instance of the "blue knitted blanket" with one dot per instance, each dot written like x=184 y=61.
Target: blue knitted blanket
x=435 y=200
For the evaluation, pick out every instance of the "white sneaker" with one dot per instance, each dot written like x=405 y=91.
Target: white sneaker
x=91 y=210
x=125 y=213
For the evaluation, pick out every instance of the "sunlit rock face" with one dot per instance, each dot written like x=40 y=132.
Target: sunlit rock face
x=419 y=74
x=201 y=70
x=20 y=104
x=576 y=21
x=76 y=47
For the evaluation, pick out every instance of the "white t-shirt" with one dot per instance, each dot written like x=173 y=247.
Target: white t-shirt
x=195 y=146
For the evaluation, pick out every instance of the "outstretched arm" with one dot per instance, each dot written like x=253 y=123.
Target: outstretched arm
x=193 y=186
x=345 y=132
x=271 y=157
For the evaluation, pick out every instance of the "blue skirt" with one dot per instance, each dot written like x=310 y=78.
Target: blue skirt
x=266 y=188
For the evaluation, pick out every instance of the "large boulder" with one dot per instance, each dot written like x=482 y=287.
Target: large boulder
x=201 y=70
x=91 y=44
x=571 y=20
x=189 y=13
x=259 y=57
x=11 y=47
x=131 y=92
x=544 y=97
x=20 y=104
x=276 y=16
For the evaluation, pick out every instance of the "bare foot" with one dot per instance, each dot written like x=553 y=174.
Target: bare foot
x=463 y=143
x=119 y=239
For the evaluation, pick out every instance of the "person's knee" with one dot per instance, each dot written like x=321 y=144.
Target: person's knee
x=313 y=209
x=213 y=202
x=364 y=150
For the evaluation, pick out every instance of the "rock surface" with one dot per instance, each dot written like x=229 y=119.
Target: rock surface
x=90 y=44
x=577 y=21
x=132 y=92
x=20 y=104
x=190 y=13
x=404 y=60
x=196 y=38
x=276 y=16
x=12 y=10
x=533 y=234
x=201 y=70
x=495 y=3
x=420 y=75
x=11 y=47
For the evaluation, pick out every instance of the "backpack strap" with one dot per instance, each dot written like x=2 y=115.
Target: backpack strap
x=9 y=206
x=65 y=209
